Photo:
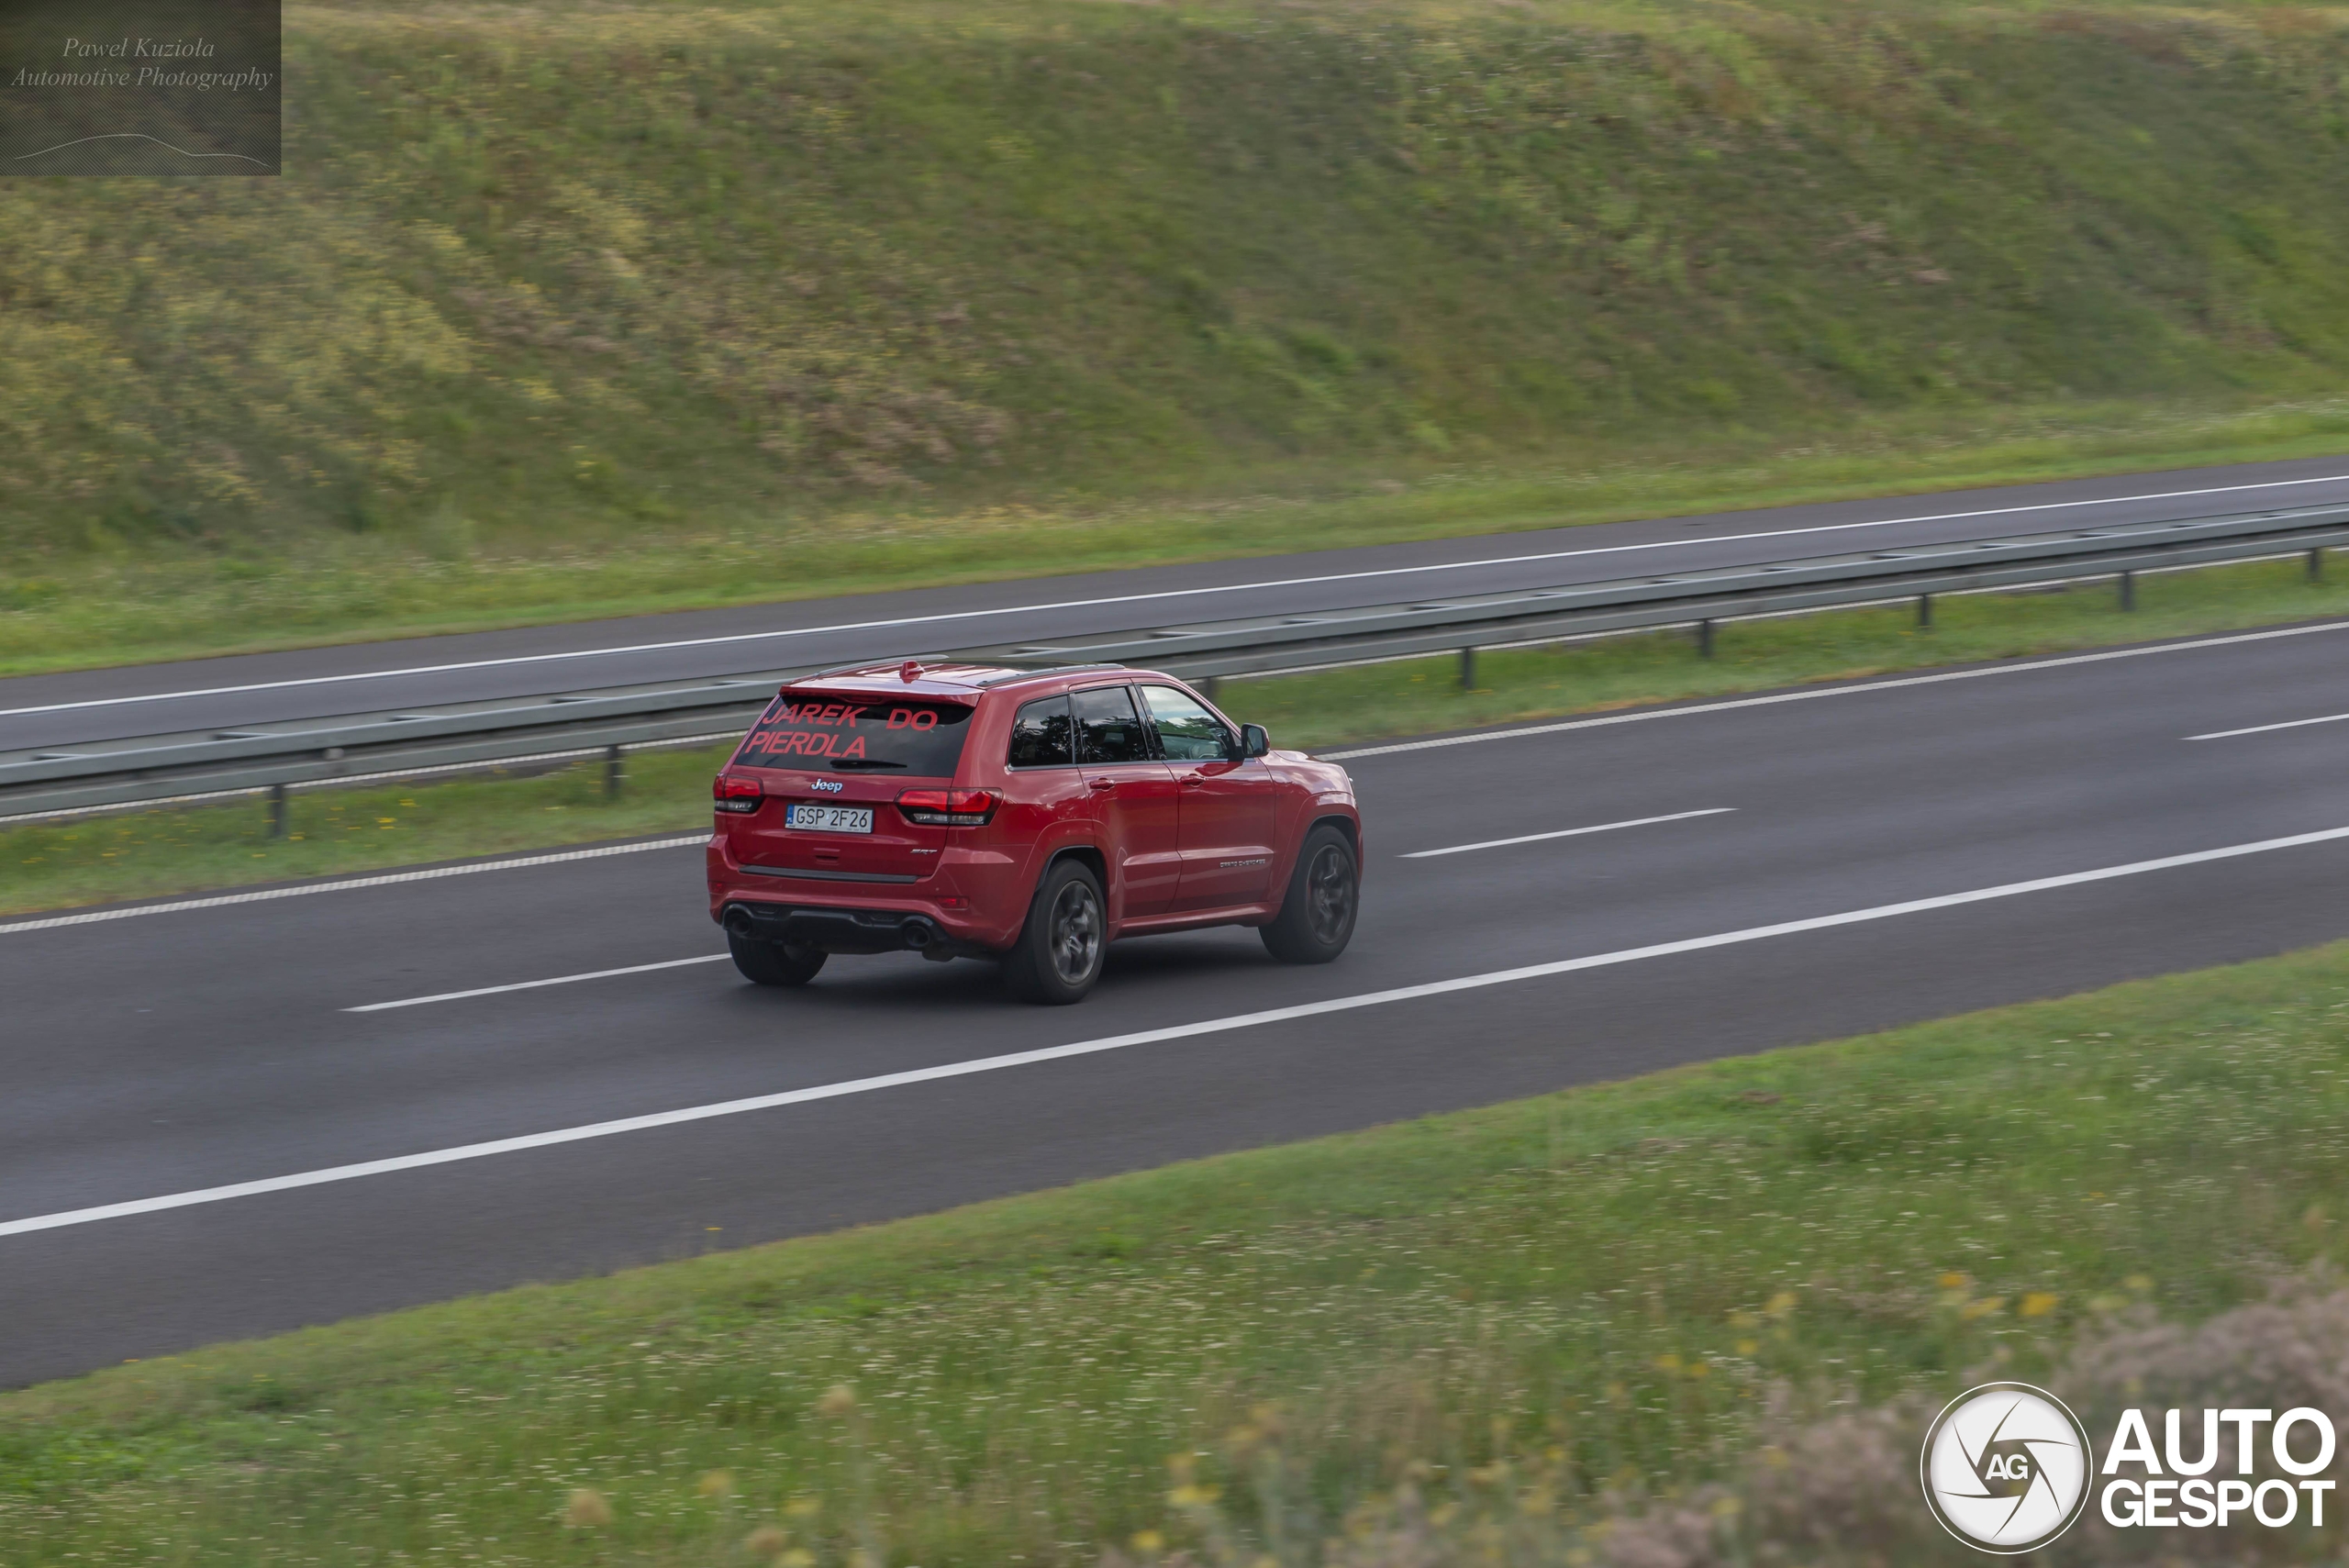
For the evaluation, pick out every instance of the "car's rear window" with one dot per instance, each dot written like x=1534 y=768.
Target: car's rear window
x=851 y=734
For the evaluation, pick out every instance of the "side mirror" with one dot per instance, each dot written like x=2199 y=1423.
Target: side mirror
x=1253 y=741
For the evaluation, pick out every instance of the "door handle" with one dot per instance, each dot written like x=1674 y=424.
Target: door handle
x=1192 y=780
x=1100 y=784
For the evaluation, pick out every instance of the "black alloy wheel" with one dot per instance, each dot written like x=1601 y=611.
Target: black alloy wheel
x=1059 y=955
x=1317 y=917
x=1075 y=926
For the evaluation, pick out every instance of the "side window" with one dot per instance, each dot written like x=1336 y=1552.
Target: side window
x=1040 y=735
x=1108 y=729
x=1187 y=732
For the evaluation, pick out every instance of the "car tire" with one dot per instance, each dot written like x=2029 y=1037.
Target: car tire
x=1065 y=939
x=775 y=963
x=1317 y=917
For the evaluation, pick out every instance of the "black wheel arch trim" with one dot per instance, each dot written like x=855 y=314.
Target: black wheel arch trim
x=1343 y=823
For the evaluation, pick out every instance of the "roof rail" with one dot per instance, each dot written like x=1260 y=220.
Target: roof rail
x=1011 y=671
x=1014 y=672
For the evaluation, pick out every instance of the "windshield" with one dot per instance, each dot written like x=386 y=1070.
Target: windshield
x=857 y=735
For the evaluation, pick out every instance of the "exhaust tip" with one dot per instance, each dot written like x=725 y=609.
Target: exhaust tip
x=920 y=934
x=738 y=921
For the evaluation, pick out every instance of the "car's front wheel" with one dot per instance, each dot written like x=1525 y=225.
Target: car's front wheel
x=1317 y=917
x=773 y=963
x=1061 y=948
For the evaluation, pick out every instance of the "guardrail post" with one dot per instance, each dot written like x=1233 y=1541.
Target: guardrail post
x=2128 y=590
x=611 y=772
x=1467 y=669
x=1925 y=611
x=2316 y=565
x=277 y=811
x=1704 y=638
x=1212 y=688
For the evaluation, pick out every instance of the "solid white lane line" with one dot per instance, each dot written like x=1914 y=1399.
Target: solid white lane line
x=534 y=984
x=2263 y=728
x=1818 y=693
x=1147 y=1037
x=1564 y=833
x=1162 y=594
x=262 y=895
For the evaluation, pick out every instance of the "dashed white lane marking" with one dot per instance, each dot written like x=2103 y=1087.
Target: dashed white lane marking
x=1564 y=833
x=2263 y=728
x=1162 y=594
x=1817 y=694
x=261 y=896
x=534 y=984
x=1123 y=1041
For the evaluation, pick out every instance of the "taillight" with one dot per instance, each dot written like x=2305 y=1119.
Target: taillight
x=948 y=807
x=731 y=794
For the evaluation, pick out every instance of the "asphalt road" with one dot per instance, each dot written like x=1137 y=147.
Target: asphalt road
x=174 y=1052
x=80 y=708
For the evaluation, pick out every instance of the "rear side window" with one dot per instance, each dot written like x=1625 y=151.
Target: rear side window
x=1108 y=729
x=848 y=734
x=1041 y=736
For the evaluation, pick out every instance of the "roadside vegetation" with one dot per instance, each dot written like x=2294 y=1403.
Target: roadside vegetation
x=116 y=606
x=107 y=859
x=570 y=312
x=1472 y=1338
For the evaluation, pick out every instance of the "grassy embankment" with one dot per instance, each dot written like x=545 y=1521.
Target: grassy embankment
x=107 y=859
x=1599 y=1286
x=651 y=305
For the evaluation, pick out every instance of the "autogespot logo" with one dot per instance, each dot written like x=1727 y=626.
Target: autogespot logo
x=2006 y=1467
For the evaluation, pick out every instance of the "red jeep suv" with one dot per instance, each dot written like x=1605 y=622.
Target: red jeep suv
x=1028 y=816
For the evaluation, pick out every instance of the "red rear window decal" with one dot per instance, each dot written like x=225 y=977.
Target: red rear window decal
x=797 y=731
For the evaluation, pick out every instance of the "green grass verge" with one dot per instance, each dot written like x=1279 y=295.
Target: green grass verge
x=1615 y=1275
x=122 y=608
x=558 y=315
x=109 y=859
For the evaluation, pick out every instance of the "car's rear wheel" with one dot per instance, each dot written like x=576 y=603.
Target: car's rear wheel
x=773 y=963
x=1317 y=917
x=1061 y=948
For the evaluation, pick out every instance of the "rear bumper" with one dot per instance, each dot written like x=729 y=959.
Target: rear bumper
x=853 y=917
x=844 y=930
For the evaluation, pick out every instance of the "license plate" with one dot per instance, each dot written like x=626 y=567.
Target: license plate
x=831 y=819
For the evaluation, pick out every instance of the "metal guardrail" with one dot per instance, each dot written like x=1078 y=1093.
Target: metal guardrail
x=364 y=746
x=1213 y=649
x=274 y=757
